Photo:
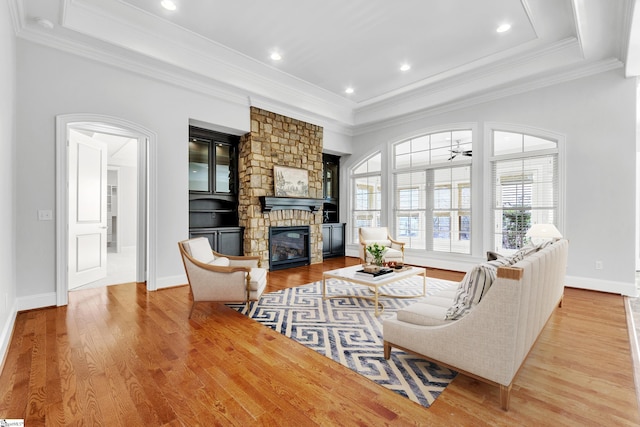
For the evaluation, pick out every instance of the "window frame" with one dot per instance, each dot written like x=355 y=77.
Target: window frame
x=352 y=227
x=433 y=211
x=489 y=158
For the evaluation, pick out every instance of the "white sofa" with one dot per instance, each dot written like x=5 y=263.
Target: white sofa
x=491 y=341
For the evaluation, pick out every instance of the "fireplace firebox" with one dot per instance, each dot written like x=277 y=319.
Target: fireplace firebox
x=289 y=247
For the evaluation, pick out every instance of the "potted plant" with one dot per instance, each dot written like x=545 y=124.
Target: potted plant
x=377 y=252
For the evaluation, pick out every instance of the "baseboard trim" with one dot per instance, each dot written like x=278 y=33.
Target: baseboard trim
x=622 y=288
x=7 y=334
x=36 y=301
x=635 y=345
x=171 y=281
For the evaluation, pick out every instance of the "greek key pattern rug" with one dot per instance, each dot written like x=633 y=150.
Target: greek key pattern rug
x=347 y=331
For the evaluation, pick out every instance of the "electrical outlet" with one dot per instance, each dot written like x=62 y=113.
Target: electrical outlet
x=45 y=215
x=598 y=265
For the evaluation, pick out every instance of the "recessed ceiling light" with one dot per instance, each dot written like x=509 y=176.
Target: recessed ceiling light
x=405 y=67
x=168 y=4
x=348 y=90
x=503 y=28
x=276 y=56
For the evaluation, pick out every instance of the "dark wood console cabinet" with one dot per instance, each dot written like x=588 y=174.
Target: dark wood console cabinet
x=226 y=240
x=333 y=240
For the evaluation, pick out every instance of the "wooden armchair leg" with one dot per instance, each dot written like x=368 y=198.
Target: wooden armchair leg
x=505 y=394
x=192 y=307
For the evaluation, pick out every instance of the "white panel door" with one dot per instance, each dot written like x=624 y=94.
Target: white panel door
x=87 y=209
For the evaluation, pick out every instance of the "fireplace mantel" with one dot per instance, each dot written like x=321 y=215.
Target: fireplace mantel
x=287 y=203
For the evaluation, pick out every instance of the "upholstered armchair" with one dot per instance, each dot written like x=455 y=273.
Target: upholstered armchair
x=380 y=235
x=224 y=278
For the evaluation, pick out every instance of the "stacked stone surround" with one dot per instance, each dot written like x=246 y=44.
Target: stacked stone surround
x=277 y=140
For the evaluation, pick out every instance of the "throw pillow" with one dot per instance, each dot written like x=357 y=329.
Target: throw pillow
x=492 y=256
x=474 y=286
x=200 y=249
x=523 y=252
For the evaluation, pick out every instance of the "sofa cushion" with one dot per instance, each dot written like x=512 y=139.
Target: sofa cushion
x=423 y=313
x=474 y=286
x=258 y=276
x=221 y=261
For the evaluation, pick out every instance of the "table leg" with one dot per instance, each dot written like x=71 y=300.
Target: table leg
x=376 y=301
x=324 y=288
x=424 y=282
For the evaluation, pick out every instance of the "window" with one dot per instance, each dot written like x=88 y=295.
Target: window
x=367 y=195
x=525 y=186
x=432 y=184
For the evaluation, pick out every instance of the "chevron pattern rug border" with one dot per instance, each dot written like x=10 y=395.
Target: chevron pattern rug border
x=347 y=331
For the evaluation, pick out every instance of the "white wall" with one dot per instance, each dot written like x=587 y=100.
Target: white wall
x=597 y=116
x=128 y=200
x=7 y=179
x=52 y=82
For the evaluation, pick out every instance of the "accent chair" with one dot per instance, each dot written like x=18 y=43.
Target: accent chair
x=221 y=278
x=380 y=235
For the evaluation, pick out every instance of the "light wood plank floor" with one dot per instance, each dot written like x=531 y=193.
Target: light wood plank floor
x=122 y=356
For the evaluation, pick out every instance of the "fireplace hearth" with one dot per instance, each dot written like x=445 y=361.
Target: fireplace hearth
x=289 y=247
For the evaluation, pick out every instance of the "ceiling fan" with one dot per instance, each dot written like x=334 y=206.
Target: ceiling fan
x=458 y=151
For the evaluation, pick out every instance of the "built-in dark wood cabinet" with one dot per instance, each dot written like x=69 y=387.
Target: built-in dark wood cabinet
x=213 y=189
x=330 y=188
x=333 y=240
x=333 y=232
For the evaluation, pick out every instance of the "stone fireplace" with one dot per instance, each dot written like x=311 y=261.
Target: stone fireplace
x=278 y=140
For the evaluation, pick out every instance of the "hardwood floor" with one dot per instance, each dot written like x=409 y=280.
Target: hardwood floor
x=123 y=356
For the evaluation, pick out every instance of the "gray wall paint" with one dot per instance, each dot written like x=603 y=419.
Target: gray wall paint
x=597 y=114
x=7 y=178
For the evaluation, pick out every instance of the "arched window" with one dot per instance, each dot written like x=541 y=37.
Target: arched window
x=432 y=191
x=366 y=181
x=525 y=185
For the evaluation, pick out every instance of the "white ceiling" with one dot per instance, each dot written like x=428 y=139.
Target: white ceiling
x=452 y=46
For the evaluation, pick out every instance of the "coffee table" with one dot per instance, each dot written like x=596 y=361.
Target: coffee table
x=348 y=274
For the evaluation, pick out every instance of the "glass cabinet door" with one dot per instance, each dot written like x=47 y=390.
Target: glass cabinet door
x=223 y=168
x=199 y=166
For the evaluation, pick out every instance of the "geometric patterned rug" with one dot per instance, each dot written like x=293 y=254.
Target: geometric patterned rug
x=347 y=331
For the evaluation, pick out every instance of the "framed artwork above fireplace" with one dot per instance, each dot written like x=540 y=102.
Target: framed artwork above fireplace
x=290 y=182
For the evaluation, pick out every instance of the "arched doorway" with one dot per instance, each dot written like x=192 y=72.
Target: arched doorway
x=146 y=218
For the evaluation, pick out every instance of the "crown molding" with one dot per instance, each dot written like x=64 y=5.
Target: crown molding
x=553 y=78
x=159 y=71
x=140 y=66
x=16 y=10
x=475 y=79
x=167 y=42
x=475 y=70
